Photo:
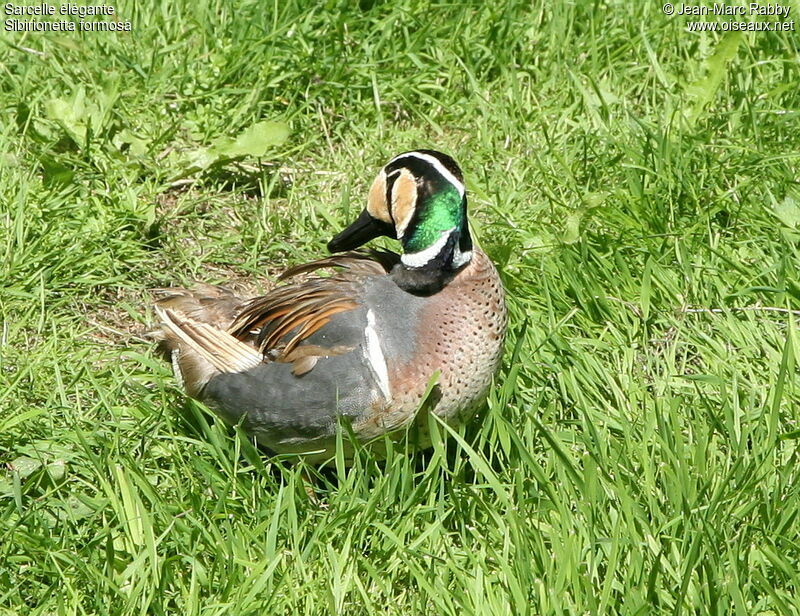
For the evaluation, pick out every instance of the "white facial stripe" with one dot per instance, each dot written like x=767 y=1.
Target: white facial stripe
x=374 y=355
x=436 y=164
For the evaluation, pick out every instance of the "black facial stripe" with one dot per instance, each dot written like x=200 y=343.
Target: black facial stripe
x=465 y=241
x=391 y=178
x=444 y=259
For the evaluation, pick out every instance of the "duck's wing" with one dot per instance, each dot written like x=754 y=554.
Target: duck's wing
x=290 y=314
x=208 y=330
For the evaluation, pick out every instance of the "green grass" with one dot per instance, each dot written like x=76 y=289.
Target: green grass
x=636 y=184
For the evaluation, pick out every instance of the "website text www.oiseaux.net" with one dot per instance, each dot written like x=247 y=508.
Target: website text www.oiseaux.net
x=753 y=17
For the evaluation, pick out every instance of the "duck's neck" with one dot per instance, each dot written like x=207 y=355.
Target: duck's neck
x=427 y=271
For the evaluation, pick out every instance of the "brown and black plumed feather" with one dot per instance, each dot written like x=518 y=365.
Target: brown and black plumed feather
x=291 y=313
x=275 y=324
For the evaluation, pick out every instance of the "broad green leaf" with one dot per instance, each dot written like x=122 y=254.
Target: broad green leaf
x=80 y=116
x=25 y=466
x=572 y=227
x=254 y=142
x=703 y=90
x=788 y=212
x=136 y=145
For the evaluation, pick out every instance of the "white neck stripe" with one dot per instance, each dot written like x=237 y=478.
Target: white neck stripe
x=436 y=164
x=420 y=258
x=423 y=257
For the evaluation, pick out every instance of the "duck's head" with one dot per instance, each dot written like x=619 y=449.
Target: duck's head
x=418 y=198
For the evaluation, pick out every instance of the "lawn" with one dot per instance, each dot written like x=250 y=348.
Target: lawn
x=638 y=186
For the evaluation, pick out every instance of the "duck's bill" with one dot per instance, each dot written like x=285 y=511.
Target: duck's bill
x=364 y=229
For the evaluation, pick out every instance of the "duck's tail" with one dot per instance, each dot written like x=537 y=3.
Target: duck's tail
x=193 y=334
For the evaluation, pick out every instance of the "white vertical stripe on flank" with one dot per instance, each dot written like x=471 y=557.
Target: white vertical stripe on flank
x=375 y=356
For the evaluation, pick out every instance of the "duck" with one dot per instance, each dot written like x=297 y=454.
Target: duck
x=368 y=339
